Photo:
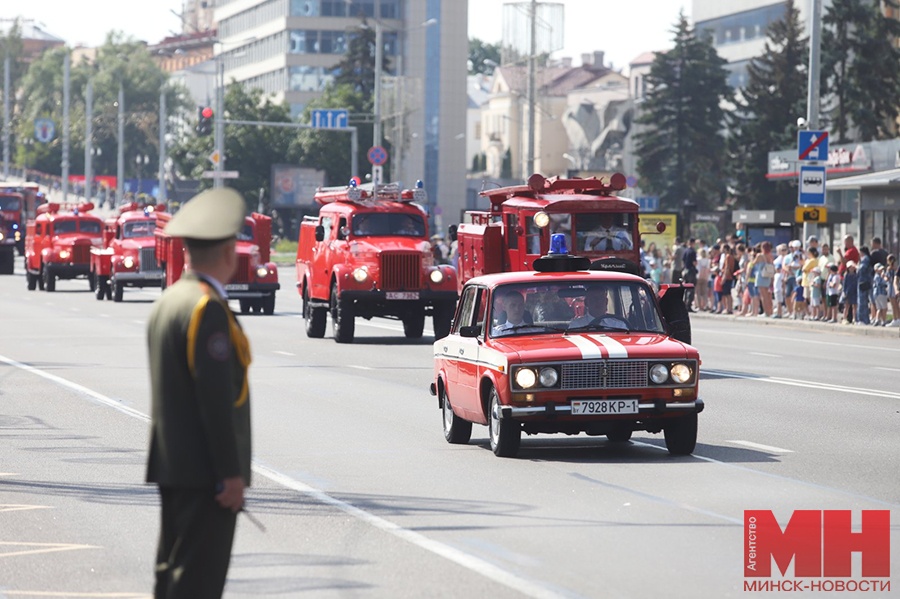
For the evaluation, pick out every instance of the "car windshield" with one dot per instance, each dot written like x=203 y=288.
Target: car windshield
x=63 y=226
x=138 y=228
x=610 y=306
x=89 y=226
x=246 y=233
x=604 y=232
x=388 y=223
x=9 y=203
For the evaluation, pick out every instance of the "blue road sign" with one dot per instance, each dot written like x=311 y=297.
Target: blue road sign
x=44 y=130
x=377 y=155
x=812 y=186
x=812 y=145
x=648 y=203
x=330 y=119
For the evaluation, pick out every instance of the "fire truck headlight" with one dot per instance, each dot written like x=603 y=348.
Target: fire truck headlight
x=549 y=377
x=541 y=219
x=525 y=378
x=64 y=254
x=18 y=235
x=1 y=236
x=262 y=271
x=659 y=373
x=436 y=276
x=681 y=373
x=360 y=275
x=128 y=262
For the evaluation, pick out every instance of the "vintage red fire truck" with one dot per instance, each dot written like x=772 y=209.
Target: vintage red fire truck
x=58 y=244
x=256 y=280
x=128 y=255
x=367 y=254
x=18 y=204
x=598 y=225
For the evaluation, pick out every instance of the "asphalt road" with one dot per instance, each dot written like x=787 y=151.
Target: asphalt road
x=362 y=497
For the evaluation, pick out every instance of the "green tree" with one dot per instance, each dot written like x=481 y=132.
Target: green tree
x=863 y=90
x=483 y=57
x=357 y=67
x=766 y=112
x=681 y=151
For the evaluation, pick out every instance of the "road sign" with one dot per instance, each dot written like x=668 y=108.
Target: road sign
x=44 y=130
x=814 y=214
x=812 y=145
x=330 y=118
x=215 y=157
x=221 y=174
x=377 y=155
x=378 y=174
x=812 y=186
x=648 y=203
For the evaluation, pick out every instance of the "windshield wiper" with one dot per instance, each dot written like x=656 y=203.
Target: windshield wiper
x=596 y=326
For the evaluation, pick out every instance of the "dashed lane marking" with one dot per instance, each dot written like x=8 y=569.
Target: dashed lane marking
x=799 y=383
x=283 y=353
x=760 y=446
x=759 y=353
x=357 y=367
x=38 y=548
x=886 y=368
x=73 y=595
x=12 y=507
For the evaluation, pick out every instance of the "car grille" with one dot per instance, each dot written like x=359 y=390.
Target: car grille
x=243 y=270
x=81 y=254
x=148 y=260
x=401 y=271
x=605 y=374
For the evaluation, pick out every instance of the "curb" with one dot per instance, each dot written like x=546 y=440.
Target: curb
x=811 y=325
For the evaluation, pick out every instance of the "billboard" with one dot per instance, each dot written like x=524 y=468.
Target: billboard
x=294 y=186
x=647 y=228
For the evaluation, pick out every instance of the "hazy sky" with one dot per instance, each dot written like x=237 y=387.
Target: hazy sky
x=622 y=29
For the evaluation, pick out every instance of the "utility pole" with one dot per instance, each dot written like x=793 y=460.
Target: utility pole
x=218 y=181
x=812 y=98
x=120 y=158
x=532 y=49
x=161 y=194
x=88 y=139
x=67 y=67
x=6 y=87
x=376 y=129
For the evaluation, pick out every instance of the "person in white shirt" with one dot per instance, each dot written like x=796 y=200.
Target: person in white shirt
x=514 y=304
x=596 y=303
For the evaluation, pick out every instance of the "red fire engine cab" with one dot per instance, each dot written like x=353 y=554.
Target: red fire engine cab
x=128 y=255
x=256 y=280
x=367 y=254
x=58 y=244
x=598 y=225
x=18 y=204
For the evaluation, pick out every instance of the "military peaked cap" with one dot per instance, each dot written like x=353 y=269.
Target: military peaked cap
x=212 y=215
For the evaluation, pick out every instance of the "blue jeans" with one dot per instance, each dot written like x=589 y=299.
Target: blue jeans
x=862 y=310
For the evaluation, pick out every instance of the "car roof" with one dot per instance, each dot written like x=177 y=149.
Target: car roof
x=550 y=277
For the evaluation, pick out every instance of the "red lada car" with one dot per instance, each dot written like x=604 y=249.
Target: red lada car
x=565 y=352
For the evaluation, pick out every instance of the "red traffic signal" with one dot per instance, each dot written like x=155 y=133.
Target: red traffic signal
x=204 y=120
x=207 y=112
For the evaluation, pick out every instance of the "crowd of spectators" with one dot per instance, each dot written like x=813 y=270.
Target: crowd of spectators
x=794 y=280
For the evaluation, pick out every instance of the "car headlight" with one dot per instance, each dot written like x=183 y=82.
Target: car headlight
x=261 y=271
x=128 y=262
x=64 y=254
x=1 y=236
x=436 y=276
x=541 y=219
x=659 y=373
x=360 y=274
x=681 y=373
x=525 y=378
x=549 y=377
x=18 y=235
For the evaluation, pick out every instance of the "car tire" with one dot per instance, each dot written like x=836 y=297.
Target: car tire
x=442 y=318
x=118 y=291
x=342 y=319
x=316 y=318
x=414 y=323
x=49 y=280
x=619 y=435
x=31 y=280
x=506 y=433
x=681 y=435
x=456 y=430
x=268 y=304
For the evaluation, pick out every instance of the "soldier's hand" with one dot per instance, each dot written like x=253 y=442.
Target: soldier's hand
x=231 y=493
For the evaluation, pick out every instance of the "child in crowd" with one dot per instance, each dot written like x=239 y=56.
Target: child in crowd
x=850 y=294
x=880 y=295
x=893 y=278
x=833 y=293
x=815 y=294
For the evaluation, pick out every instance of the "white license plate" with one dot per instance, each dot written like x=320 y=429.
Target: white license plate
x=604 y=406
x=402 y=295
x=237 y=287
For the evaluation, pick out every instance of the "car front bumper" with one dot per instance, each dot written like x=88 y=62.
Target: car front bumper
x=646 y=408
x=251 y=290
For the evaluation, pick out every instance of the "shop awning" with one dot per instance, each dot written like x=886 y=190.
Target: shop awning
x=889 y=178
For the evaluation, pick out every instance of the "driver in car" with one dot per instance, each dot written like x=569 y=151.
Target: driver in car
x=596 y=303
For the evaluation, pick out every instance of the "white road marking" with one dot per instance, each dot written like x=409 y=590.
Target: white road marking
x=11 y=507
x=886 y=368
x=9 y=474
x=41 y=548
x=759 y=353
x=69 y=595
x=760 y=446
x=283 y=353
x=798 y=383
x=358 y=367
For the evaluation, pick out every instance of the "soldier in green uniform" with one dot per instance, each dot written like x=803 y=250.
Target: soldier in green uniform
x=200 y=422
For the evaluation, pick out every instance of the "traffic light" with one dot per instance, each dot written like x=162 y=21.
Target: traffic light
x=204 y=120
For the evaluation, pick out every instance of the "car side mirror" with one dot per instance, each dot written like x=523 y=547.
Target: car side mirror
x=470 y=331
x=320 y=233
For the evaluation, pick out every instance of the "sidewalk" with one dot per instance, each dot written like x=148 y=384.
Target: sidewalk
x=825 y=327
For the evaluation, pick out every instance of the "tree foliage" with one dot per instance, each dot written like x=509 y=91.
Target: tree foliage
x=764 y=119
x=681 y=150
x=357 y=67
x=483 y=57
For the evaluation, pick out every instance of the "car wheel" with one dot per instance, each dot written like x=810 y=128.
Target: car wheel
x=619 y=435
x=268 y=304
x=342 y=320
x=456 y=430
x=117 y=291
x=506 y=433
x=414 y=323
x=442 y=318
x=681 y=434
x=31 y=280
x=49 y=280
x=316 y=318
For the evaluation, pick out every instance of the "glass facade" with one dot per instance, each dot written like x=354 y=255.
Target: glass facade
x=743 y=26
x=390 y=9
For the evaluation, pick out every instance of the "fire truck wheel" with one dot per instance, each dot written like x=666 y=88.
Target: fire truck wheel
x=92 y=281
x=619 y=435
x=245 y=306
x=506 y=433
x=117 y=291
x=442 y=317
x=456 y=430
x=414 y=323
x=49 y=280
x=40 y=279
x=342 y=320
x=32 y=281
x=316 y=318
x=681 y=434
x=268 y=305
x=8 y=265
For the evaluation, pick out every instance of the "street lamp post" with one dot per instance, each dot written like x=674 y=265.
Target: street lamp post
x=120 y=158
x=376 y=129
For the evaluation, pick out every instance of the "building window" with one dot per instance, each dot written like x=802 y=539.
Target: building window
x=304 y=42
x=333 y=42
x=305 y=8
x=743 y=26
x=390 y=9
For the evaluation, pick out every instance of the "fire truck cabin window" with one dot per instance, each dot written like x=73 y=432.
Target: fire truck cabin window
x=605 y=232
x=388 y=224
x=89 y=226
x=139 y=228
x=246 y=233
x=61 y=227
x=9 y=203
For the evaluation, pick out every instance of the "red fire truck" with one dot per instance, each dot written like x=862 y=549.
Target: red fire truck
x=367 y=254
x=58 y=244
x=128 y=255
x=15 y=212
x=598 y=225
x=256 y=280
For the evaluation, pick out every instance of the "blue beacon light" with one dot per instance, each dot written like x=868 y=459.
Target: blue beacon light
x=558 y=244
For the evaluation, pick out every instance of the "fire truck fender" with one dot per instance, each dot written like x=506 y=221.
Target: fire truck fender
x=339 y=274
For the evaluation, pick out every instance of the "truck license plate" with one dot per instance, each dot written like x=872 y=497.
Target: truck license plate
x=605 y=406
x=237 y=287
x=402 y=295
